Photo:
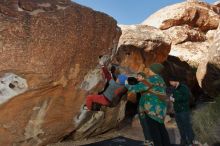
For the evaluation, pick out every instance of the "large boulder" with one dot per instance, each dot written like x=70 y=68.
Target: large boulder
x=208 y=73
x=185 y=33
x=217 y=3
x=191 y=52
x=97 y=122
x=141 y=45
x=174 y=66
x=47 y=47
x=101 y=119
x=214 y=51
x=191 y=26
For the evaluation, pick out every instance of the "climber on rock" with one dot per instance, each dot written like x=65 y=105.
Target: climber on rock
x=105 y=71
x=108 y=75
x=114 y=89
x=110 y=96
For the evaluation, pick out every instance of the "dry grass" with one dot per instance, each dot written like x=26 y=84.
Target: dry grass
x=206 y=123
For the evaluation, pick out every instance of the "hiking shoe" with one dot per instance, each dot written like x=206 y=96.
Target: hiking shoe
x=82 y=115
x=148 y=143
x=84 y=107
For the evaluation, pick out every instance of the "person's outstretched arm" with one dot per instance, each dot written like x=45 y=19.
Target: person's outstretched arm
x=106 y=73
x=138 y=88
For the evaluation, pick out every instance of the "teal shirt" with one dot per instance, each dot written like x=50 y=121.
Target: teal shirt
x=181 y=95
x=150 y=103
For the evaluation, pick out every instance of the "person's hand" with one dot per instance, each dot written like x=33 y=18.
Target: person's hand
x=131 y=97
x=172 y=99
x=101 y=62
x=126 y=82
x=100 y=65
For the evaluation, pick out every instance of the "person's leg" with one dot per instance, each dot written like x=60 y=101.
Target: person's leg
x=154 y=131
x=188 y=127
x=145 y=128
x=97 y=99
x=180 y=125
x=164 y=135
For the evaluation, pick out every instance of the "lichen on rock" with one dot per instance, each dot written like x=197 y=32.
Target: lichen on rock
x=11 y=85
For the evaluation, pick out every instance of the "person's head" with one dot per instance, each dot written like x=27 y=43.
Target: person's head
x=141 y=76
x=121 y=79
x=113 y=69
x=132 y=81
x=156 y=68
x=174 y=81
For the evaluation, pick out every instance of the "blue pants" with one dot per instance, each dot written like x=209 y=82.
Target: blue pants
x=184 y=124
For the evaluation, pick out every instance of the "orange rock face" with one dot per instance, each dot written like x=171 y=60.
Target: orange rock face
x=39 y=117
x=141 y=45
x=51 y=44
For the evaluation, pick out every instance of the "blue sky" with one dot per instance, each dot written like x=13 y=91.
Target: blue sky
x=129 y=11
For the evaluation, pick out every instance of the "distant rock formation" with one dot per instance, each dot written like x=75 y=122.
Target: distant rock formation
x=48 y=46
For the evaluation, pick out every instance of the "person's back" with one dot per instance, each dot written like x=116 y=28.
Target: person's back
x=181 y=94
x=158 y=84
x=156 y=98
x=152 y=107
x=112 y=90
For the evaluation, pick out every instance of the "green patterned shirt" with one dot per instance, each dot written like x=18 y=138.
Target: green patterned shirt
x=149 y=102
